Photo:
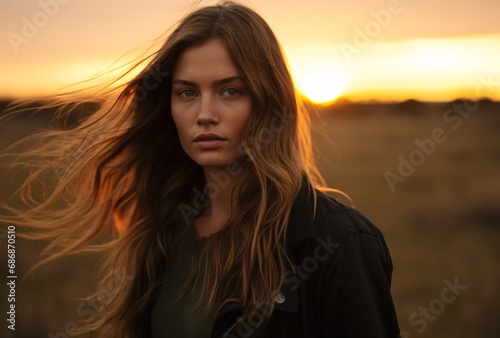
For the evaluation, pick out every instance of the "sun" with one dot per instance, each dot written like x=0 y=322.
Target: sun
x=319 y=71
x=322 y=85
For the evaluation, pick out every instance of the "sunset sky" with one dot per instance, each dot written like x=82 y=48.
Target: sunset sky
x=362 y=49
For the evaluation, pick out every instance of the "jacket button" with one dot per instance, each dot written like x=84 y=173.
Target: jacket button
x=280 y=298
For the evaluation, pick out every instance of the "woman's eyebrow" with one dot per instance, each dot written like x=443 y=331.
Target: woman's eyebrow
x=216 y=82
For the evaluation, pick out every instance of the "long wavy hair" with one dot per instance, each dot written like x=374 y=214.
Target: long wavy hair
x=117 y=181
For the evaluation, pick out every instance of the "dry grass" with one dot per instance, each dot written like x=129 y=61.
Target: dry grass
x=443 y=222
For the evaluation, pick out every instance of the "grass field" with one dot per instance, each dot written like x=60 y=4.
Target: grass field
x=441 y=222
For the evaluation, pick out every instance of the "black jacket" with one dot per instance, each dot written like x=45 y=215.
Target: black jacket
x=340 y=286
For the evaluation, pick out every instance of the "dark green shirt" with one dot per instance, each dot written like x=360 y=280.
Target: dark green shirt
x=173 y=317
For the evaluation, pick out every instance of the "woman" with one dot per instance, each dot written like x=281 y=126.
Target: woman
x=203 y=165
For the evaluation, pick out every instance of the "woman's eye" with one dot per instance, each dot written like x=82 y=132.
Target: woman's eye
x=187 y=93
x=231 y=92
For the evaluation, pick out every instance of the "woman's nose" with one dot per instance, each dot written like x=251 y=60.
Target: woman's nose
x=207 y=113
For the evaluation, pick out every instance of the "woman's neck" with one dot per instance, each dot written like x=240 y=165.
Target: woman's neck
x=221 y=189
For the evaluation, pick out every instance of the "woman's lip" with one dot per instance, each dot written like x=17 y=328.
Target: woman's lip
x=209 y=143
x=208 y=136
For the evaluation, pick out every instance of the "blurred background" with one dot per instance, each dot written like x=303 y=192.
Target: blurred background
x=405 y=95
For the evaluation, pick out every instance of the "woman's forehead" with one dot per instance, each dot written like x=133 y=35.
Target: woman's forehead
x=209 y=60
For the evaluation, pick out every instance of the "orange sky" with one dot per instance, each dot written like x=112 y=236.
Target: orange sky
x=365 y=49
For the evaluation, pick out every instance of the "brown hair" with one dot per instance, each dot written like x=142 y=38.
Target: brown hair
x=113 y=176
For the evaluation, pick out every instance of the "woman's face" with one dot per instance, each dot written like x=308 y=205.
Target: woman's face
x=210 y=104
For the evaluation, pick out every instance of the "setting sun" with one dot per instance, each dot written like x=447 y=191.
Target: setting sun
x=318 y=72
x=322 y=85
x=387 y=59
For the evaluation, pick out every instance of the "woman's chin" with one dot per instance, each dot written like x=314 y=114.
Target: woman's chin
x=230 y=164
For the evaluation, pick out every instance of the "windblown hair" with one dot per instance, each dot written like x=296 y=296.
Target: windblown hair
x=120 y=174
